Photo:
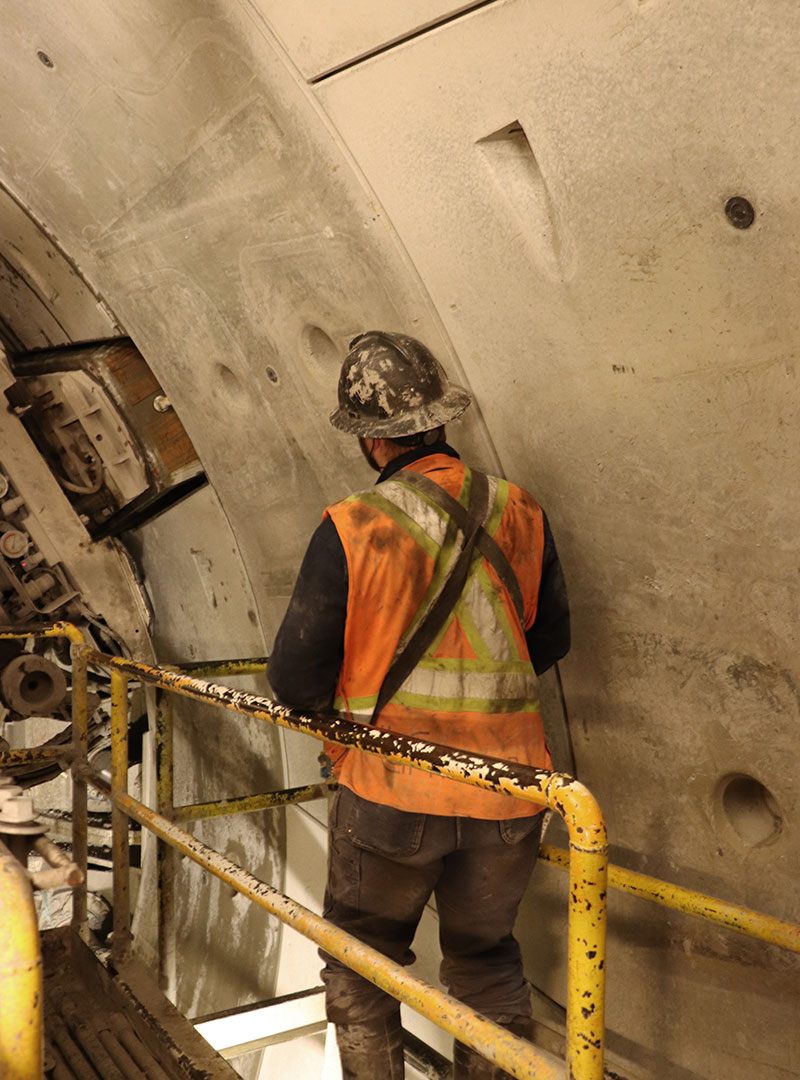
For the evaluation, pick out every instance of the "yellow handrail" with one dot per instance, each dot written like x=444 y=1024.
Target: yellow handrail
x=513 y=1054
x=585 y=860
x=586 y=976
x=568 y=797
x=732 y=916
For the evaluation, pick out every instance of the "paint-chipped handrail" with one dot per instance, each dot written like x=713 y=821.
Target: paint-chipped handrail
x=568 y=797
x=586 y=962
x=702 y=906
x=511 y=1053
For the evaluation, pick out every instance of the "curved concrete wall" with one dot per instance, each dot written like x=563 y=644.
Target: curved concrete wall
x=538 y=190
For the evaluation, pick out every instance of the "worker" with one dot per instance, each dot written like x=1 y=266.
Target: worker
x=423 y=606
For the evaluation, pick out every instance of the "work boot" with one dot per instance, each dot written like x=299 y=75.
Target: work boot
x=468 y=1064
x=371 y=1050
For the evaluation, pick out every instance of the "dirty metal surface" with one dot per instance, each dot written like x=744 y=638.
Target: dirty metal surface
x=102 y=1024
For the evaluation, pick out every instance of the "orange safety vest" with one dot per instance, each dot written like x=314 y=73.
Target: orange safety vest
x=474 y=688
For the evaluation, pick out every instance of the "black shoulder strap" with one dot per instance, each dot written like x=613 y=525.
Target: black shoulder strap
x=470 y=522
x=485 y=543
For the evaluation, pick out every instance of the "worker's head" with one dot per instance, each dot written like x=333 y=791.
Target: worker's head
x=392 y=387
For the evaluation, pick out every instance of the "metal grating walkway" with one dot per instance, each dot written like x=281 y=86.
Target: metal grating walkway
x=102 y=1024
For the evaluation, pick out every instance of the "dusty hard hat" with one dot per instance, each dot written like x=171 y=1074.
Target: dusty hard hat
x=392 y=385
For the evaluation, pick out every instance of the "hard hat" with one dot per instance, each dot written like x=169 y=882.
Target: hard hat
x=392 y=385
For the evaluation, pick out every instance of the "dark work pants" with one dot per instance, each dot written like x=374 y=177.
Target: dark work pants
x=383 y=866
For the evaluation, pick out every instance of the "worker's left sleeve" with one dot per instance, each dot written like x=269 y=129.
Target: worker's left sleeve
x=309 y=646
x=549 y=637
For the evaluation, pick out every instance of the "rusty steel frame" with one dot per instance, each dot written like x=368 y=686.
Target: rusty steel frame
x=246 y=804
x=517 y=1056
x=732 y=916
x=120 y=851
x=575 y=804
x=585 y=861
x=166 y=865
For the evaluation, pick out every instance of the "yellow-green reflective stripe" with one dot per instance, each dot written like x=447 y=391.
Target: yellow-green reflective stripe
x=411 y=502
x=355 y=705
x=499 y=611
x=495 y=637
x=400 y=517
x=463 y=613
x=498 y=509
x=444 y=558
x=466 y=486
x=503 y=667
x=398 y=481
x=445 y=683
x=459 y=705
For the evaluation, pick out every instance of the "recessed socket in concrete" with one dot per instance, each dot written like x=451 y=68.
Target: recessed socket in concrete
x=749 y=808
x=320 y=346
x=230 y=380
x=523 y=188
x=324 y=357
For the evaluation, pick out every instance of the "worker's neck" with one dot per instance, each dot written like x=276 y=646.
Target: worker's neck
x=414 y=453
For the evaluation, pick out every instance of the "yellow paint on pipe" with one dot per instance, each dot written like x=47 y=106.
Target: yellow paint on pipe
x=222 y=669
x=80 y=809
x=57 y=629
x=25 y=755
x=166 y=857
x=249 y=803
x=743 y=920
x=586 y=967
x=511 y=1053
x=119 y=822
x=20 y=975
x=586 y=945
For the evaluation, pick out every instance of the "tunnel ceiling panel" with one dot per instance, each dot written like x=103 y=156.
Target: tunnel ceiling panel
x=322 y=37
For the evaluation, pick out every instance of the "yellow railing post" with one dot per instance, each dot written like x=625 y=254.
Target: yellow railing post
x=586 y=947
x=21 y=1033
x=166 y=862
x=587 y=910
x=513 y=1054
x=119 y=820
x=80 y=810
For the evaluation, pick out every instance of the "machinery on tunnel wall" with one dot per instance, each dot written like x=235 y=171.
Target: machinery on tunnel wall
x=589 y=213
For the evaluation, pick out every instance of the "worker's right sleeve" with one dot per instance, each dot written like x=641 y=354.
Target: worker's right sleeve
x=307 y=655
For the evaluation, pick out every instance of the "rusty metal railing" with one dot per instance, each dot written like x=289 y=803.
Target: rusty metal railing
x=586 y=975
x=732 y=916
x=585 y=860
x=586 y=955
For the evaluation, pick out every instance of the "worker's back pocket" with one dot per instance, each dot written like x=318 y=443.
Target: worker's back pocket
x=372 y=827
x=516 y=829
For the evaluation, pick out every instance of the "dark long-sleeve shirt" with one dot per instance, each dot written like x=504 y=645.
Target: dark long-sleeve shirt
x=309 y=647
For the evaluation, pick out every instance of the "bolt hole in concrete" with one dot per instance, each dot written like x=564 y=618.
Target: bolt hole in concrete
x=272 y=374
x=230 y=380
x=740 y=212
x=322 y=351
x=45 y=59
x=750 y=809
